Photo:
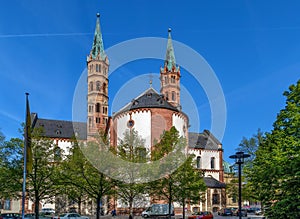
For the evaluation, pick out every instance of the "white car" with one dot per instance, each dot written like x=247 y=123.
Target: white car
x=70 y=216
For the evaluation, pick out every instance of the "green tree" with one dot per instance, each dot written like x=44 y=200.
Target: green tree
x=43 y=180
x=248 y=146
x=276 y=168
x=166 y=187
x=189 y=184
x=131 y=149
x=41 y=183
x=11 y=167
x=78 y=172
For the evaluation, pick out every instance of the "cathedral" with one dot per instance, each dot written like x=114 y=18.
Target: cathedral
x=149 y=113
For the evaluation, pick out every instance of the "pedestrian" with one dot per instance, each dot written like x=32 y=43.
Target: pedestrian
x=113 y=213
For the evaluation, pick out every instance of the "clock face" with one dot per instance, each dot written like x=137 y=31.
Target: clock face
x=130 y=123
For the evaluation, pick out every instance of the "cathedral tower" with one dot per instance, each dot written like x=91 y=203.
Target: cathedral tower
x=170 y=76
x=97 y=79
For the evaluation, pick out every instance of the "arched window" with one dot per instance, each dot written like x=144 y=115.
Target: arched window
x=91 y=86
x=198 y=164
x=98 y=86
x=104 y=87
x=57 y=153
x=173 y=96
x=97 y=107
x=97 y=68
x=90 y=122
x=212 y=163
x=91 y=108
x=172 y=79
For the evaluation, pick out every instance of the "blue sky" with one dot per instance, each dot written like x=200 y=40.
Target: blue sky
x=252 y=46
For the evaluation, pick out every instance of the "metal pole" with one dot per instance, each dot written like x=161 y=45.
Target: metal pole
x=240 y=191
x=25 y=164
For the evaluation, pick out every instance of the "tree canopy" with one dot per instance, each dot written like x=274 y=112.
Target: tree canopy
x=276 y=167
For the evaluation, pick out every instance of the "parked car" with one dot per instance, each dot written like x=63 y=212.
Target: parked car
x=225 y=212
x=48 y=211
x=252 y=210
x=70 y=216
x=29 y=216
x=201 y=215
x=244 y=212
x=258 y=212
x=158 y=210
x=10 y=216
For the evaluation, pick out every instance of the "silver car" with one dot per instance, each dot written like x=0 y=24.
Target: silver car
x=70 y=216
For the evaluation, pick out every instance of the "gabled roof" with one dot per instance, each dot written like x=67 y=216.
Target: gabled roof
x=213 y=183
x=148 y=99
x=204 y=140
x=60 y=128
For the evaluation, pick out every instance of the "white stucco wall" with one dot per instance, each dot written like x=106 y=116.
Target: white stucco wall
x=179 y=123
x=65 y=146
x=142 y=124
x=206 y=156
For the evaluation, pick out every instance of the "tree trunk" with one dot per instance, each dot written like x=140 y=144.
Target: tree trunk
x=170 y=200
x=79 y=205
x=183 y=209
x=36 y=206
x=98 y=201
x=130 y=208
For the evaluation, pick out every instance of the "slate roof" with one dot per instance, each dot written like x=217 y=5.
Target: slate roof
x=60 y=128
x=213 y=183
x=148 y=99
x=204 y=140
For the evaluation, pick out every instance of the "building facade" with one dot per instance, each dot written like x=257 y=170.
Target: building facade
x=150 y=113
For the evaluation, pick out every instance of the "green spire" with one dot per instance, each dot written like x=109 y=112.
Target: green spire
x=170 y=57
x=98 y=47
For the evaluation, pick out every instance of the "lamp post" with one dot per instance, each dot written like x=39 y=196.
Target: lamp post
x=239 y=160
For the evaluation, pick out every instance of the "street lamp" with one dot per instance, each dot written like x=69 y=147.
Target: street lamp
x=239 y=160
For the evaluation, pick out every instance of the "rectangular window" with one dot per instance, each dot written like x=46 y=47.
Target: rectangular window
x=97 y=107
x=215 y=200
x=7 y=204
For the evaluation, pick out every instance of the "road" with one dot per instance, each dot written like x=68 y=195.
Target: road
x=250 y=216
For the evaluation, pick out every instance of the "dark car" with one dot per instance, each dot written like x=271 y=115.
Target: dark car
x=225 y=212
x=29 y=216
x=10 y=216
